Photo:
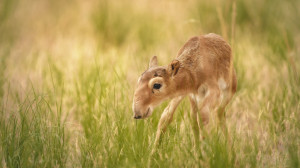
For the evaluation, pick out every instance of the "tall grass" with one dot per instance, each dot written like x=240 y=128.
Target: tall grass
x=67 y=82
x=33 y=134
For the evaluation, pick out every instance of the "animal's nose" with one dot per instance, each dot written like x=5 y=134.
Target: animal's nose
x=137 y=116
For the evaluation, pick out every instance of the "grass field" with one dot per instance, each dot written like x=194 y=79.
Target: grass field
x=68 y=70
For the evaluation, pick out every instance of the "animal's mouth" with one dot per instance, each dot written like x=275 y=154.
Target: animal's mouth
x=147 y=113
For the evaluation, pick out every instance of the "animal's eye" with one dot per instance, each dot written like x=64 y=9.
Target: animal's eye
x=156 y=86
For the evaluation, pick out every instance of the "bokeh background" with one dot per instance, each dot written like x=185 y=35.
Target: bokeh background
x=68 y=70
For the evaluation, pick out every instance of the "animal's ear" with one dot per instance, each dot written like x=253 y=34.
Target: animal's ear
x=174 y=67
x=153 y=62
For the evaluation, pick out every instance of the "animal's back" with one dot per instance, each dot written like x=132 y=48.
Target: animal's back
x=207 y=56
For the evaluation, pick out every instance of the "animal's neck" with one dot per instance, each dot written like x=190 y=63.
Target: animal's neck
x=183 y=82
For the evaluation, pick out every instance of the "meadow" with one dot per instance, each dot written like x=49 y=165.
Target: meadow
x=68 y=70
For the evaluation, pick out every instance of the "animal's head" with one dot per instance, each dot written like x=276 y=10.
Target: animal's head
x=154 y=86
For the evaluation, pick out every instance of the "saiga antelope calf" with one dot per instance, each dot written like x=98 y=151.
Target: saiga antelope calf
x=202 y=71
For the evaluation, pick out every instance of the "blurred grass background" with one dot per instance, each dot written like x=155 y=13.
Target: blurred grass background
x=68 y=70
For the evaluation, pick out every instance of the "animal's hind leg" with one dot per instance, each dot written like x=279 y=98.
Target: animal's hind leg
x=222 y=118
x=228 y=94
x=194 y=119
x=221 y=112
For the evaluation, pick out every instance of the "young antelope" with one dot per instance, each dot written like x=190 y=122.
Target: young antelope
x=202 y=71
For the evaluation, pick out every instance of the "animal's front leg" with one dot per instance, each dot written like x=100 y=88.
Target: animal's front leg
x=194 y=119
x=166 y=118
x=210 y=102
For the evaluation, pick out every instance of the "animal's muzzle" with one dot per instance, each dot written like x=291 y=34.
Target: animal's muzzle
x=137 y=117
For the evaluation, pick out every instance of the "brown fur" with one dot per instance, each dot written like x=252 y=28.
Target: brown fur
x=200 y=70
